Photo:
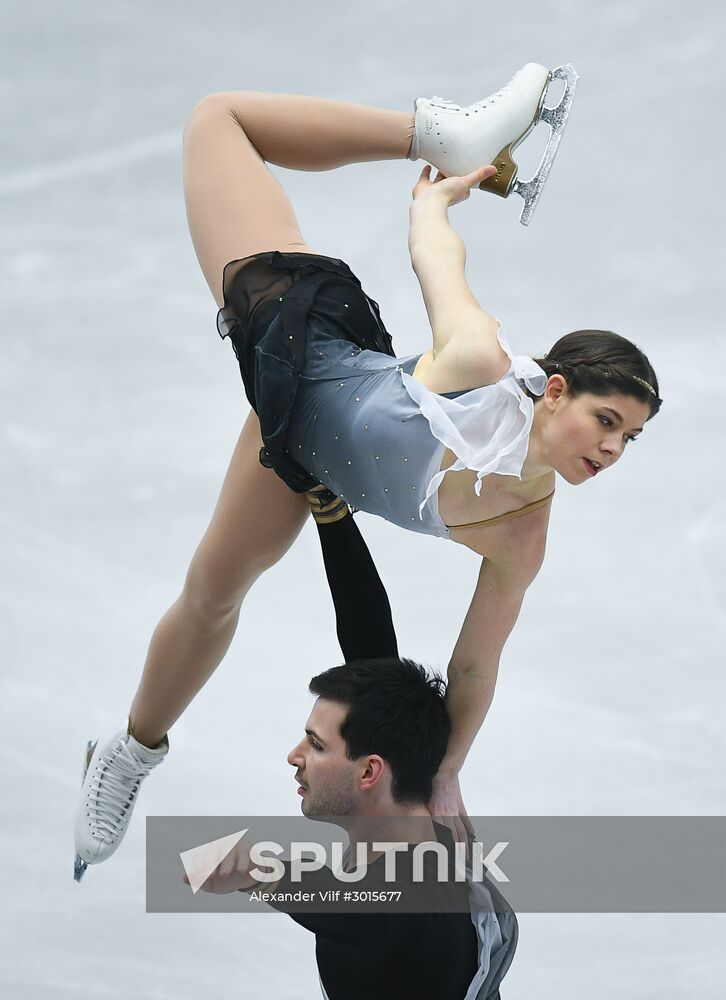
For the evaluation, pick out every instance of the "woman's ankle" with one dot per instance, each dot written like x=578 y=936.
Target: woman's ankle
x=147 y=736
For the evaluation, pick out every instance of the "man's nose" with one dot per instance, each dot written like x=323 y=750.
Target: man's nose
x=295 y=758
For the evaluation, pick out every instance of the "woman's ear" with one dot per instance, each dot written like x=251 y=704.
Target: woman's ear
x=555 y=392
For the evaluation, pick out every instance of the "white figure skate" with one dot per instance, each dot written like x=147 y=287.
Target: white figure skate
x=111 y=780
x=459 y=140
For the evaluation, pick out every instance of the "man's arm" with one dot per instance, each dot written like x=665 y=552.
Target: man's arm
x=362 y=610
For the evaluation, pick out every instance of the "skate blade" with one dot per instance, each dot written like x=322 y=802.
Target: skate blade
x=79 y=868
x=79 y=865
x=531 y=190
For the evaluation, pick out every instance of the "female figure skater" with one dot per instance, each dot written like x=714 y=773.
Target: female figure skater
x=462 y=441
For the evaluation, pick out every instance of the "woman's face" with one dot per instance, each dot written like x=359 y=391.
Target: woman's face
x=584 y=435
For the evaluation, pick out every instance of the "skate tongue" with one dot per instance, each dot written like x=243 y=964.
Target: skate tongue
x=147 y=754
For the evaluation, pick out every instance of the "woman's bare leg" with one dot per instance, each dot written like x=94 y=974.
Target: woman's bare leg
x=255 y=521
x=236 y=207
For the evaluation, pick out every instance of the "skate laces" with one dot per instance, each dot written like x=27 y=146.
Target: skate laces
x=493 y=98
x=440 y=102
x=115 y=782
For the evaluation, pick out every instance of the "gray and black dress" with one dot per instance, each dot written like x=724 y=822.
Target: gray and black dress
x=337 y=407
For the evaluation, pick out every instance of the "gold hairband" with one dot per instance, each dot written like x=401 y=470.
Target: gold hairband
x=646 y=385
x=635 y=378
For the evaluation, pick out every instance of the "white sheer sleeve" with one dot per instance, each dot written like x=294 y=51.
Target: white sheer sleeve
x=486 y=428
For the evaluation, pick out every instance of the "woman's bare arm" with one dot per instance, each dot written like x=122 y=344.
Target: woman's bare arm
x=465 y=346
x=516 y=551
x=474 y=664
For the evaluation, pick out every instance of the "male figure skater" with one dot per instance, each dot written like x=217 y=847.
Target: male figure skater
x=373 y=744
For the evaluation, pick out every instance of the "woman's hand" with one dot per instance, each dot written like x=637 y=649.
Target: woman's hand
x=451 y=190
x=447 y=807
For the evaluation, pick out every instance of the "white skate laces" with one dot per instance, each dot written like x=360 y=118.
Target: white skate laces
x=440 y=102
x=458 y=140
x=110 y=789
x=115 y=783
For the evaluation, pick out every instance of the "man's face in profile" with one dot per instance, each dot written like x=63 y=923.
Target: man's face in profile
x=327 y=778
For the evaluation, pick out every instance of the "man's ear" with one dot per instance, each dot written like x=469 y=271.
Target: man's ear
x=373 y=771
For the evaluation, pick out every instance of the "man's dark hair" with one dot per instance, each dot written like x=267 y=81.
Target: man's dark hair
x=397 y=710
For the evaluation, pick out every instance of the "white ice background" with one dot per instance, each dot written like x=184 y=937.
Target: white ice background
x=119 y=409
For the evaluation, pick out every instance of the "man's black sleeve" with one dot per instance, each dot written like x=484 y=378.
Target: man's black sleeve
x=362 y=610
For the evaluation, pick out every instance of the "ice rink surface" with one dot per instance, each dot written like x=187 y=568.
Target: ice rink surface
x=120 y=409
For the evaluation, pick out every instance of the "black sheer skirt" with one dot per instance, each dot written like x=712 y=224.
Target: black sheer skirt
x=271 y=301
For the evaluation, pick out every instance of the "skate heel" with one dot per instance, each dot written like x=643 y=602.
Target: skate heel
x=501 y=183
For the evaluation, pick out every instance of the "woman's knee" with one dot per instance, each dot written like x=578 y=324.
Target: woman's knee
x=224 y=103
x=211 y=106
x=216 y=583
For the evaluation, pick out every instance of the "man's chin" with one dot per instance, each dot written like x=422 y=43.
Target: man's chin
x=306 y=809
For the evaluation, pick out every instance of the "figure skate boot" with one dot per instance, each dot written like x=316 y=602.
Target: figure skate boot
x=459 y=140
x=111 y=780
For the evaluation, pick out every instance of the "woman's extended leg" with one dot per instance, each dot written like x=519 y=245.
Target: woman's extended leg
x=235 y=206
x=255 y=521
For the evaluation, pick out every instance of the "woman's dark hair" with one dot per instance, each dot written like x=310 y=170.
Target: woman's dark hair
x=397 y=710
x=604 y=364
